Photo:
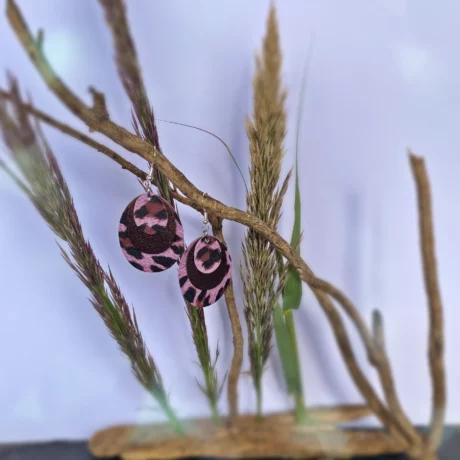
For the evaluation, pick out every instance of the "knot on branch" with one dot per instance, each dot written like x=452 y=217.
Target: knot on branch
x=99 y=107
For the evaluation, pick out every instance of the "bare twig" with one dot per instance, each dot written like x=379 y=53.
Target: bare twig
x=436 y=333
x=237 y=359
x=30 y=109
x=388 y=419
x=66 y=129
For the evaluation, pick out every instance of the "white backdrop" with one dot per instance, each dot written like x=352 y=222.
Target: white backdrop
x=384 y=76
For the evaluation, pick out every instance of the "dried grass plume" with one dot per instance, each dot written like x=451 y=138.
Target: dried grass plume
x=266 y=132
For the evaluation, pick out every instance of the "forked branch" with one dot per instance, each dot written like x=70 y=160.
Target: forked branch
x=135 y=144
x=378 y=358
x=392 y=416
x=72 y=132
x=66 y=129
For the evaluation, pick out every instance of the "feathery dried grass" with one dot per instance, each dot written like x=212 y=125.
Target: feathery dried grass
x=266 y=133
x=47 y=189
x=144 y=124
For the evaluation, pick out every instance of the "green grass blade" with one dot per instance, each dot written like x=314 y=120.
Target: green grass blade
x=292 y=290
x=292 y=294
x=286 y=352
x=294 y=356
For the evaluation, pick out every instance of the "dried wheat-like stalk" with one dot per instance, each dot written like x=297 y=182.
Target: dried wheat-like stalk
x=47 y=189
x=266 y=134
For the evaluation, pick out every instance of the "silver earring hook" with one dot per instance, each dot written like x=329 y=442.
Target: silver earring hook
x=149 y=178
x=205 y=222
x=148 y=181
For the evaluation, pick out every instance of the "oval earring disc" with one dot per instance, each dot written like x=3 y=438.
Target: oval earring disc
x=205 y=271
x=151 y=234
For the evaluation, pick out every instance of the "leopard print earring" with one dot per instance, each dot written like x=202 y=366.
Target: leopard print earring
x=150 y=232
x=205 y=269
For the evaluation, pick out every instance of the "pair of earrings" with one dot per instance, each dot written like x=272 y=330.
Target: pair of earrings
x=152 y=240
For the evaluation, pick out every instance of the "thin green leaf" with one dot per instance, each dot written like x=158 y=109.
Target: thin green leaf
x=218 y=138
x=292 y=293
x=292 y=290
x=295 y=237
x=294 y=357
x=285 y=350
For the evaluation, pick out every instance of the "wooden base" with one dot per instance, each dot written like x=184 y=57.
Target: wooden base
x=275 y=435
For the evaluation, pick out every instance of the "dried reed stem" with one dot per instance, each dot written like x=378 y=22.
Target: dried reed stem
x=436 y=332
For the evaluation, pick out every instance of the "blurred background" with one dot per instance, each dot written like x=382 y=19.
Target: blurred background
x=383 y=76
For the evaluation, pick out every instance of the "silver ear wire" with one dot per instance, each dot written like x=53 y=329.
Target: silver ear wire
x=205 y=222
x=148 y=181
